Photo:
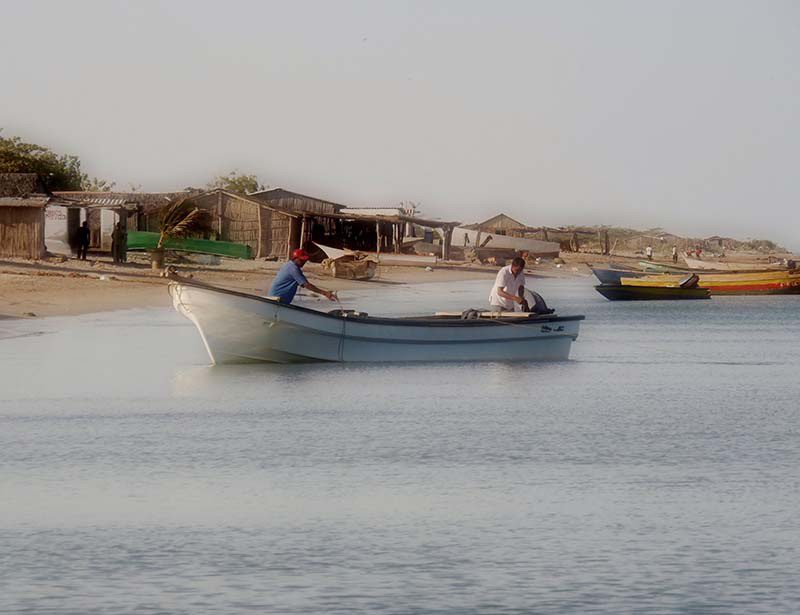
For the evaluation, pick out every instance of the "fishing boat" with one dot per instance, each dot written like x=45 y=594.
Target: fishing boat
x=661 y=267
x=618 y=292
x=696 y=263
x=755 y=283
x=237 y=328
x=613 y=276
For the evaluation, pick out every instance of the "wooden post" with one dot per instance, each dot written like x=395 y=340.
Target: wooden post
x=219 y=216
x=302 y=230
x=259 y=250
x=606 y=249
x=447 y=238
x=378 y=235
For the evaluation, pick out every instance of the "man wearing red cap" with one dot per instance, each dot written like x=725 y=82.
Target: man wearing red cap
x=290 y=276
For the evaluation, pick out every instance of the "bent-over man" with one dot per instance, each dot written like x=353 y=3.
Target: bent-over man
x=509 y=287
x=290 y=276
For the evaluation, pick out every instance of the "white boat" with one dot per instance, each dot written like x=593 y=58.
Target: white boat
x=384 y=258
x=696 y=263
x=467 y=238
x=239 y=328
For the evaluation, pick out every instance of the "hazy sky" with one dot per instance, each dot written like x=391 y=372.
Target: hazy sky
x=641 y=113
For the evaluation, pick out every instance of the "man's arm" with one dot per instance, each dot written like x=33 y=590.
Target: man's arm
x=319 y=291
x=509 y=296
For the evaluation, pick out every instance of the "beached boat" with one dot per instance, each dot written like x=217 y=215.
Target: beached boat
x=613 y=276
x=616 y=292
x=661 y=267
x=755 y=283
x=696 y=263
x=237 y=327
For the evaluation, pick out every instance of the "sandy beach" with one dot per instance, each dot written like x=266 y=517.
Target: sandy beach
x=57 y=287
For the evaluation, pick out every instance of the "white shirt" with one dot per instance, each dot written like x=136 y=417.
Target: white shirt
x=509 y=283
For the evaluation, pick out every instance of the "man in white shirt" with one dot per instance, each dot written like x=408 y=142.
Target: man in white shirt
x=509 y=287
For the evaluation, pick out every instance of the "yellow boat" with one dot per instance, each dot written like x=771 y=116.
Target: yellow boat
x=755 y=283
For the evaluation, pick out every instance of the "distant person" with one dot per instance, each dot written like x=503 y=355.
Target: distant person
x=674 y=254
x=84 y=237
x=509 y=287
x=119 y=244
x=290 y=276
x=649 y=252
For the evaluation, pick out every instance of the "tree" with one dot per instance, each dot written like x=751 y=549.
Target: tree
x=240 y=183
x=59 y=172
x=182 y=218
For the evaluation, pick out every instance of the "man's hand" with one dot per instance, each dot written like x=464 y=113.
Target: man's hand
x=331 y=296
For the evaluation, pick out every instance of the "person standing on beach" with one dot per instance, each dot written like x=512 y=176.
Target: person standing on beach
x=84 y=236
x=649 y=252
x=509 y=287
x=119 y=244
x=674 y=254
x=290 y=277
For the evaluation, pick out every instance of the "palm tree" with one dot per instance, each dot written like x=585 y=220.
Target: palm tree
x=179 y=219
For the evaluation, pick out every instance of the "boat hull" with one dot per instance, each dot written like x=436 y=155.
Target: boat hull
x=614 y=292
x=698 y=264
x=654 y=267
x=613 y=276
x=755 y=283
x=238 y=328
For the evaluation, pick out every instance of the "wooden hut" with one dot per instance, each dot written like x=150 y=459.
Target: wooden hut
x=245 y=220
x=22 y=203
x=501 y=224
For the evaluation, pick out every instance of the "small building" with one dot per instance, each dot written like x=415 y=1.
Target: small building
x=275 y=222
x=23 y=200
x=104 y=209
x=501 y=224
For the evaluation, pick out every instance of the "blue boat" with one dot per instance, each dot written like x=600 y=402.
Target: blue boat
x=612 y=276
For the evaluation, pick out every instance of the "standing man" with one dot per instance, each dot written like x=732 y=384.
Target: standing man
x=115 y=244
x=509 y=287
x=674 y=254
x=84 y=237
x=649 y=252
x=290 y=276
x=119 y=243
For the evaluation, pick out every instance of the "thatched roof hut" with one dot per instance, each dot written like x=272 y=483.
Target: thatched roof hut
x=22 y=203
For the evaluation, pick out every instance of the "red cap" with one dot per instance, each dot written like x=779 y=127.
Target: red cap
x=301 y=254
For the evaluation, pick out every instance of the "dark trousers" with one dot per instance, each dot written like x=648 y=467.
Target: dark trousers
x=82 y=251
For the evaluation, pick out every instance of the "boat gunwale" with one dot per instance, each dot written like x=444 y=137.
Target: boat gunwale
x=427 y=321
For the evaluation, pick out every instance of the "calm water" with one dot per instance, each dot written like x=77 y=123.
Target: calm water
x=656 y=472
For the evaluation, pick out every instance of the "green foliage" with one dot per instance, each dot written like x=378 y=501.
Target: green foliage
x=240 y=183
x=182 y=218
x=59 y=172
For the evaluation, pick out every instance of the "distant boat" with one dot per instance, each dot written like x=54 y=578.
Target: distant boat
x=612 y=276
x=696 y=263
x=237 y=327
x=614 y=292
x=384 y=258
x=785 y=282
x=661 y=267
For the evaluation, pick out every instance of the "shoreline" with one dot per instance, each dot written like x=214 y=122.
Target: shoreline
x=68 y=287
x=30 y=290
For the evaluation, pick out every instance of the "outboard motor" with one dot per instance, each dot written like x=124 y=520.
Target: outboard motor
x=539 y=305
